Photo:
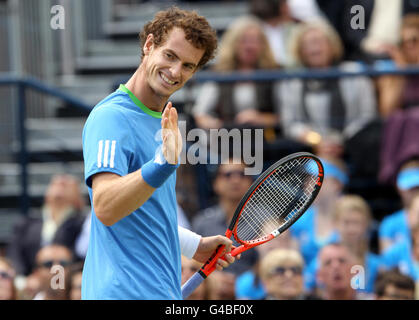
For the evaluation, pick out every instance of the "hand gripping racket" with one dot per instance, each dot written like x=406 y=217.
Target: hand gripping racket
x=278 y=197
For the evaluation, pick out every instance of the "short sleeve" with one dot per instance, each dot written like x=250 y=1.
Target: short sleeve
x=106 y=143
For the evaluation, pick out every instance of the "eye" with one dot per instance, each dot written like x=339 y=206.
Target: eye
x=169 y=56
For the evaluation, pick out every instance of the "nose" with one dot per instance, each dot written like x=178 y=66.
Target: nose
x=176 y=70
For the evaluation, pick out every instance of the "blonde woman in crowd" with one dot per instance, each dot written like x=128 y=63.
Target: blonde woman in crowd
x=312 y=108
x=281 y=271
x=243 y=48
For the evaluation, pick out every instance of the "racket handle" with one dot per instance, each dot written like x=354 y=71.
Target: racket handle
x=191 y=285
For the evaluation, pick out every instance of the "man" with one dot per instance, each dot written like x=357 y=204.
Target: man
x=46 y=258
x=334 y=274
x=60 y=221
x=131 y=149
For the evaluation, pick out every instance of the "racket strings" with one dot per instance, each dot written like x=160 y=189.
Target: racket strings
x=283 y=195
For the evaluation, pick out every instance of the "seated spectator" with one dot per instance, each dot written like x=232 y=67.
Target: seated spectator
x=60 y=222
x=249 y=284
x=47 y=258
x=312 y=108
x=395 y=227
x=401 y=92
x=230 y=184
x=279 y=25
x=404 y=255
x=393 y=285
x=243 y=48
x=221 y=285
x=317 y=226
x=7 y=276
x=281 y=271
x=352 y=219
x=334 y=274
x=189 y=267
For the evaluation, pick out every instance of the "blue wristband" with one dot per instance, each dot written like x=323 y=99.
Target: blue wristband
x=157 y=170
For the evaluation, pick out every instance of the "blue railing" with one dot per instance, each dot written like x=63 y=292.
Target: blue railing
x=24 y=83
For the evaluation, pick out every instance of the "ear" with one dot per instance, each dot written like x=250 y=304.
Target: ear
x=149 y=44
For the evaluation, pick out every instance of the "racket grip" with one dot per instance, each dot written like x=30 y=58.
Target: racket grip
x=191 y=285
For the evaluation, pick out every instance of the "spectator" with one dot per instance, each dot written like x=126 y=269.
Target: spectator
x=221 y=285
x=54 y=286
x=281 y=271
x=243 y=48
x=61 y=221
x=189 y=267
x=249 y=284
x=317 y=226
x=401 y=92
x=312 y=108
x=334 y=274
x=386 y=19
x=353 y=220
x=405 y=255
x=396 y=227
x=392 y=285
x=7 y=276
x=76 y=271
x=278 y=25
x=230 y=184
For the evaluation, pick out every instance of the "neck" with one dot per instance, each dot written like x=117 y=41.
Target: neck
x=139 y=86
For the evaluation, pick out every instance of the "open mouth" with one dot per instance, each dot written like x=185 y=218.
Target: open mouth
x=167 y=80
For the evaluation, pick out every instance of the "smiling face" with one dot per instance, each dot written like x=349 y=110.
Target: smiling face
x=249 y=48
x=316 y=50
x=171 y=64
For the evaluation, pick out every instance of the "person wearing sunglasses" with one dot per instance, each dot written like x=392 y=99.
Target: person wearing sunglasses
x=47 y=259
x=7 y=276
x=281 y=272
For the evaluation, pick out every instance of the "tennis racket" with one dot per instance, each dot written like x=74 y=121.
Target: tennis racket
x=278 y=197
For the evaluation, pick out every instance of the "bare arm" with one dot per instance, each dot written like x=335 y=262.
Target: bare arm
x=115 y=197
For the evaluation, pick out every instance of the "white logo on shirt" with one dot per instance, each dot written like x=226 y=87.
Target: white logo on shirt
x=104 y=157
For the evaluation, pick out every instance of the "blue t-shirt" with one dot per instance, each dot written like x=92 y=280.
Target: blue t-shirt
x=138 y=257
x=247 y=287
x=400 y=255
x=395 y=227
x=304 y=231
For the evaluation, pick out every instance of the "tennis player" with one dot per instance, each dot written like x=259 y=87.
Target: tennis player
x=131 y=148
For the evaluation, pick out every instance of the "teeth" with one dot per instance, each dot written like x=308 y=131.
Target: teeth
x=167 y=80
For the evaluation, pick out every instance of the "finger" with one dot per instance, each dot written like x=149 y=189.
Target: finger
x=226 y=242
x=221 y=264
x=229 y=259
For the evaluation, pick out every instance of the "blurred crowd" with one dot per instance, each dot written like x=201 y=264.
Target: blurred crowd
x=359 y=126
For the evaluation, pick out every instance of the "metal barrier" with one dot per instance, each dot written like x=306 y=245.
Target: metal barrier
x=24 y=83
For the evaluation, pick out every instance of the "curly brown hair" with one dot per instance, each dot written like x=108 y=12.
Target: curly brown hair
x=197 y=31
